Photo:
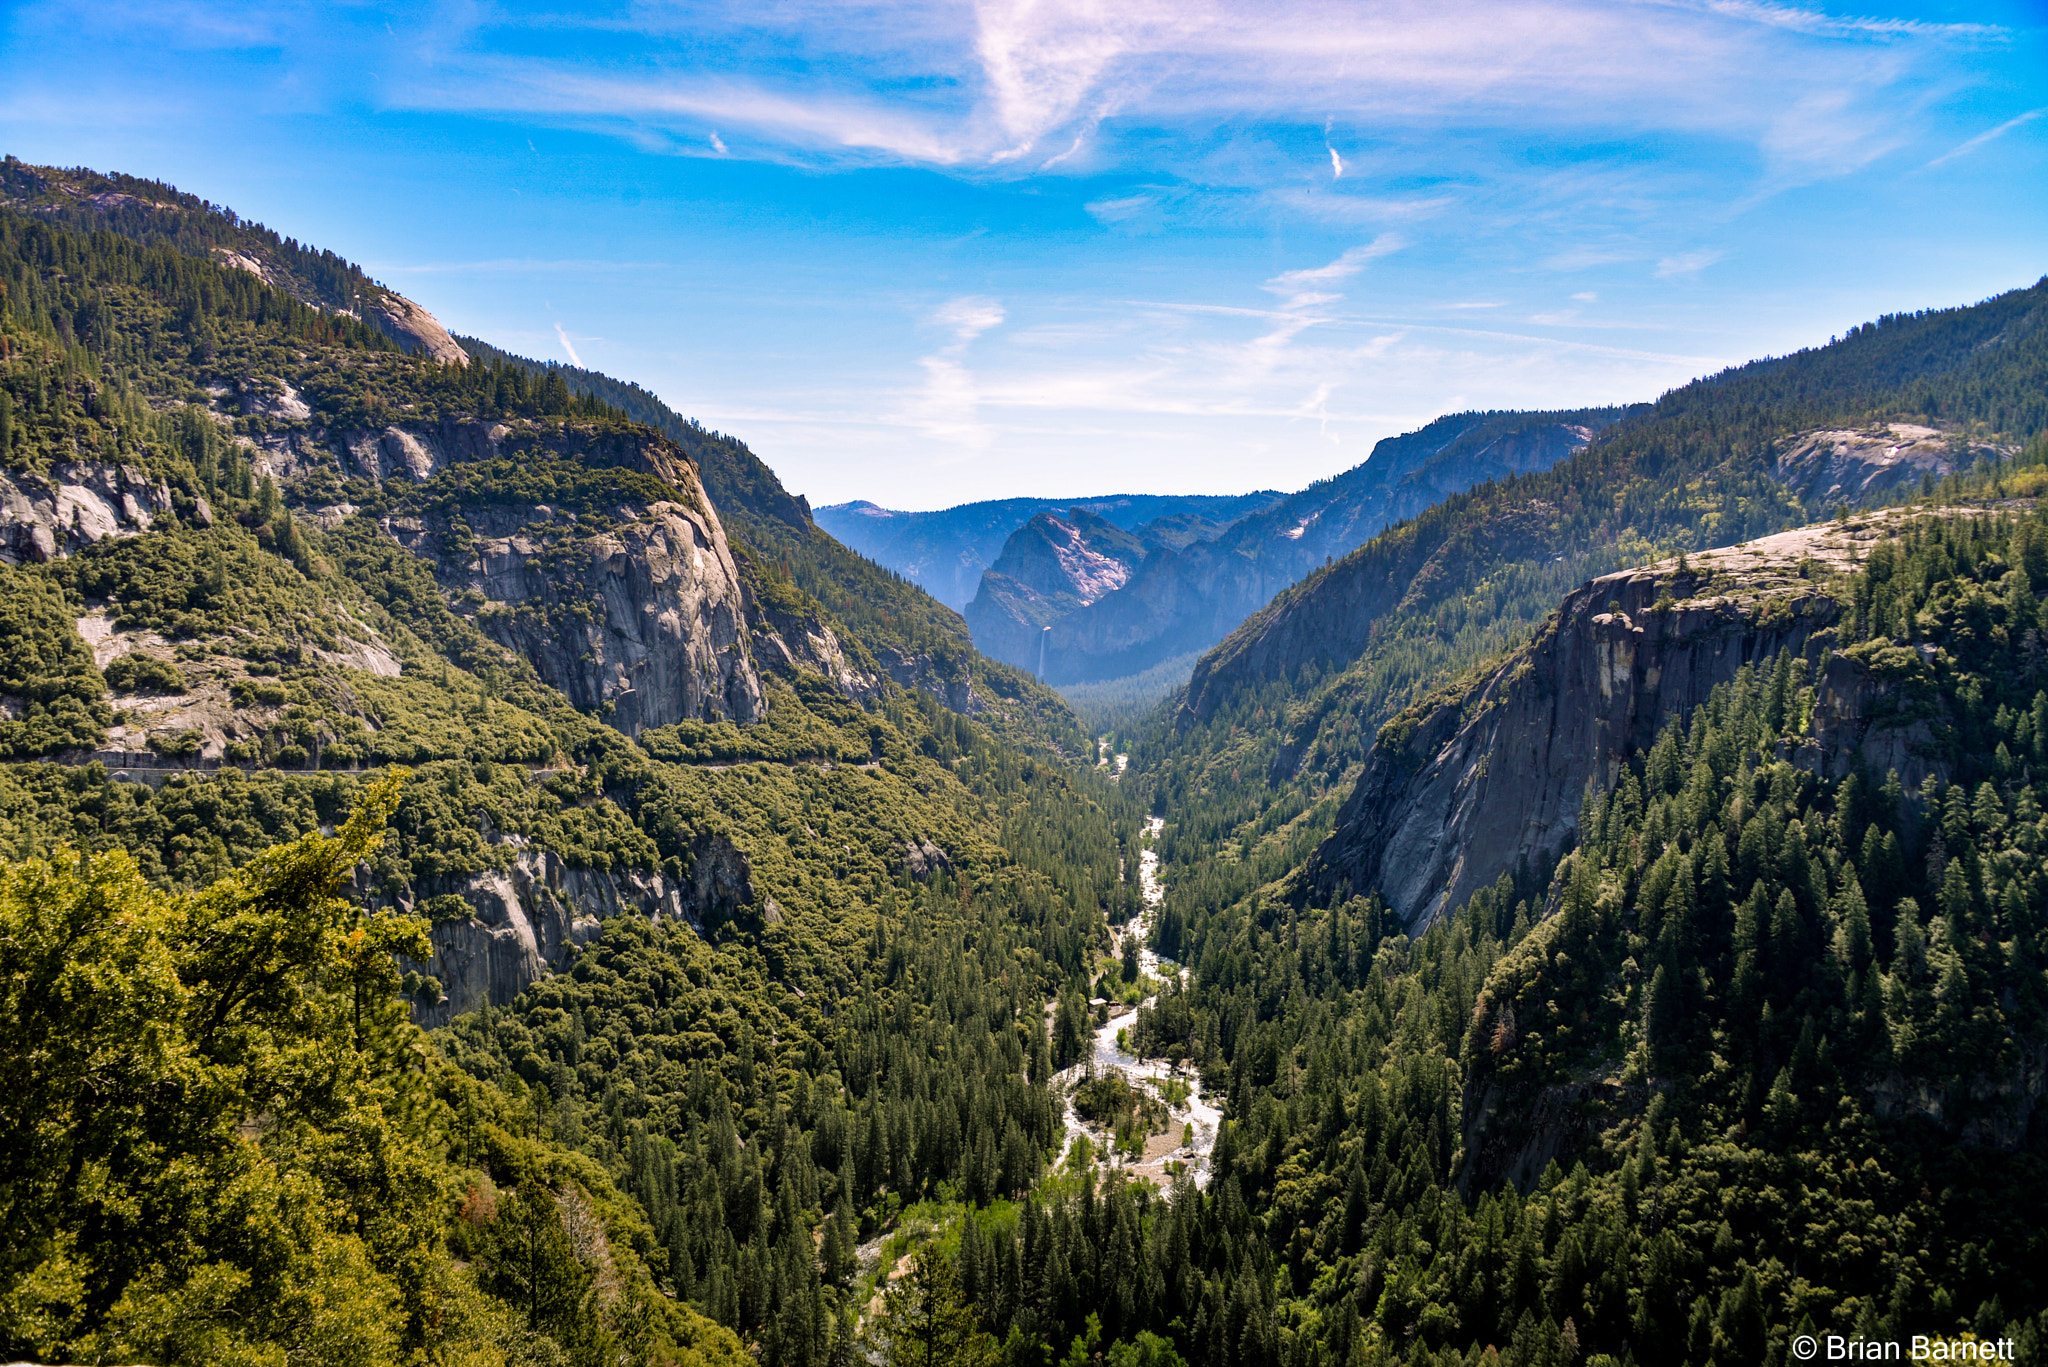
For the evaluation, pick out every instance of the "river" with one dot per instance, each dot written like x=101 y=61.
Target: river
x=1196 y=1116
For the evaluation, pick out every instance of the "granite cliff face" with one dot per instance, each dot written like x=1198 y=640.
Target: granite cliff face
x=1833 y=467
x=45 y=517
x=527 y=918
x=647 y=618
x=1466 y=786
x=1053 y=565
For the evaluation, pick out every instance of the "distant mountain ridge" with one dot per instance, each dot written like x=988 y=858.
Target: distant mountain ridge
x=1772 y=441
x=945 y=552
x=1188 y=599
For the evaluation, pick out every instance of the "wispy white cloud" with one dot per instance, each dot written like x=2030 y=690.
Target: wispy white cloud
x=1964 y=149
x=1042 y=60
x=1073 y=150
x=568 y=347
x=967 y=317
x=1121 y=209
x=1687 y=263
x=1326 y=204
x=1307 y=287
x=1826 y=133
x=947 y=409
x=1809 y=21
x=1585 y=257
x=849 y=122
x=1024 y=86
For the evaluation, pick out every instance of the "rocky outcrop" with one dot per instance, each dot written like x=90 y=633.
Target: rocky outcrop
x=415 y=452
x=1462 y=788
x=43 y=518
x=922 y=859
x=720 y=883
x=529 y=918
x=792 y=642
x=394 y=315
x=413 y=328
x=791 y=637
x=227 y=256
x=280 y=403
x=1511 y=1133
x=1836 y=467
x=950 y=679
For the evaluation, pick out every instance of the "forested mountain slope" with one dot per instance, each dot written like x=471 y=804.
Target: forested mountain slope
x=152 y=212
x=257 y=555
x=1275 y=725
x=1763 y=1057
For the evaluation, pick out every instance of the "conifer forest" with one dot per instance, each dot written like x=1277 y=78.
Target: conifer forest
x=409 y=954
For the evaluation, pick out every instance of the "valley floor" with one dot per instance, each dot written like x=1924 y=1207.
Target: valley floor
x=1183 y=1145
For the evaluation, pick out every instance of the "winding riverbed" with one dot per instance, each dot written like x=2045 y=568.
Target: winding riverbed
x=1197 y=1113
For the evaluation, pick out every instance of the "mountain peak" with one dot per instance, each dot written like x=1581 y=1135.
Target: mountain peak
x=156 y=213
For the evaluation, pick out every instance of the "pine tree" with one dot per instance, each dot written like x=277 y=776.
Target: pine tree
x=925 y=1323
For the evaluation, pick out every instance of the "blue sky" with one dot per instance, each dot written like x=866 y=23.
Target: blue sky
x=928 y=253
